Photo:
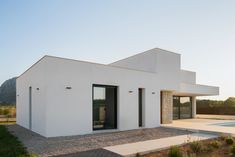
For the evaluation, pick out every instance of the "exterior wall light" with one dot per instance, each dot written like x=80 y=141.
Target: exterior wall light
x=153 y=92
x=68 y=87
x=130 y=91
x=37 y=88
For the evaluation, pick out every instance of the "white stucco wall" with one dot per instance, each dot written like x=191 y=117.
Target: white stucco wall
x=145 y=61
x=58 y=111
x=69 y=112
x=188 y=77
x=34 y=77
x=168 y=69
x=165 y=64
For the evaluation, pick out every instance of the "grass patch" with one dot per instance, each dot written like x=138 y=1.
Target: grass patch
x=10 y=146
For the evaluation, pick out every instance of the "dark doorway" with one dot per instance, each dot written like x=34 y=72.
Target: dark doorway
x=182 y=107
x=140 y=95
x=30 y=108
x=104 y=107
x=161 y=116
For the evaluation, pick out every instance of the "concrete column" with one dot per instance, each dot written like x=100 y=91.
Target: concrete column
x=194 y=107
x=167 y=107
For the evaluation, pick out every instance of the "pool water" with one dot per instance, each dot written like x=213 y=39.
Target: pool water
x=227 y=124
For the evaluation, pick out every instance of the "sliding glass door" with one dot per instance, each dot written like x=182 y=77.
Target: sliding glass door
x=185 y=107
x=104 y=107
x=182 y=107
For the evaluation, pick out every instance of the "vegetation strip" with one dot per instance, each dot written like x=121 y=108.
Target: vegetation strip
x=219 y=147
x=216 y=107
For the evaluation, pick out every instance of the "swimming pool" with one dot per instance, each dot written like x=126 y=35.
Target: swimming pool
x=227 y=124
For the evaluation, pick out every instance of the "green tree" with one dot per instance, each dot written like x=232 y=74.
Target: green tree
x=230 y=101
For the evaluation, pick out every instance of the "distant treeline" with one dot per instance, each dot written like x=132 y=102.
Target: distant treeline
x=226 y=107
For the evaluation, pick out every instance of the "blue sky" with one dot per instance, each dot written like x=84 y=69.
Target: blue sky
x=203 y=31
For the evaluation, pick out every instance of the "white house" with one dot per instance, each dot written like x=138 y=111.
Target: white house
x=61 y=97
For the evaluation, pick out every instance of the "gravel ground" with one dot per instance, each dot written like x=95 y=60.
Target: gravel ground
x=72 y=144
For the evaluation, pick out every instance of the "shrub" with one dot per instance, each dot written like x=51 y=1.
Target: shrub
x=175 y=152
x=138 y=155
x=215 y=144
x=223 y=137
x=233 y=150
x=188 y=154
x=208 y=149
x=229 y=140
x=196 y=147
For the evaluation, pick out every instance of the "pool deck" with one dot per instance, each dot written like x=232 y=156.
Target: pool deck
x=218 y=117
x=203 y=125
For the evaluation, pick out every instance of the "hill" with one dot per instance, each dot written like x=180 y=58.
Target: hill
x=8 y=92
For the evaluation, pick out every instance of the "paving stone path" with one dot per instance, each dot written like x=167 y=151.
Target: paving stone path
x=73 y=144
x=92 y=153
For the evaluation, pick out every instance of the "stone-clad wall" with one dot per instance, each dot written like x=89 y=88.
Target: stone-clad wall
x=194 y=107
x=167 y=107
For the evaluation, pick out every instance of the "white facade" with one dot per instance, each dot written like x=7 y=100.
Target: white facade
x=59 y=111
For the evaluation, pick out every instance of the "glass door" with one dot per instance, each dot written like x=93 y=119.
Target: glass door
x=185 y=107
x=104 y=107
x=182 y=107
x=176 y=108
